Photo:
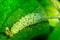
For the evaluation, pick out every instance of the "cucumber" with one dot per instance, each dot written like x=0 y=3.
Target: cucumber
x=31 y=18
x=50 y=11
x=56 y=4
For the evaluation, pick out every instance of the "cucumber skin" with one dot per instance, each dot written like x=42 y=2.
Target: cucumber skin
x=51 y=11
x=25 y=21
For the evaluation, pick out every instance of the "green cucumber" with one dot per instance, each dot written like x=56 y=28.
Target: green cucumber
x=50 y=11
x=56 y=4
x=35 y=17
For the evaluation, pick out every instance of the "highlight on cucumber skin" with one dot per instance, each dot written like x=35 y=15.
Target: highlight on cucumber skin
x=29 y=19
